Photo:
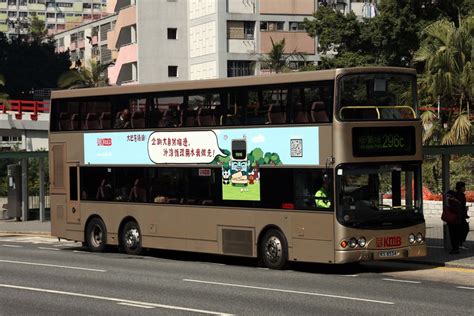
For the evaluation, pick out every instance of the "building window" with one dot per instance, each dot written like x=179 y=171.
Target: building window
x=172 y=71
x=240 y=30
x=172 y=33
x=238 y=68
x=271 y=26
x=297 y=27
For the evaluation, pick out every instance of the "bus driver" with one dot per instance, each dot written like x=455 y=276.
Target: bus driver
x=321 y=197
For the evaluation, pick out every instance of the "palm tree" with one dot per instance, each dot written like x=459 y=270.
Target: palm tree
x=85 y=77
x=447 y=52
x=277 y=60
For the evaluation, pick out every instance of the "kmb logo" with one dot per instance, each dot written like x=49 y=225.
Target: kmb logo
x=104 y=141
x=389 y=241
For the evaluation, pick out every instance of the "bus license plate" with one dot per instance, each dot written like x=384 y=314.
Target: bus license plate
x=389 y=253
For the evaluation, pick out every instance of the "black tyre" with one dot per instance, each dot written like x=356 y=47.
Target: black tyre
x=96 y=235
x=131 y=238
x=274 y=250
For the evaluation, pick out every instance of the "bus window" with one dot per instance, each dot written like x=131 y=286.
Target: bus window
x=275 y=187
x=236 y=103
x=312 y=103
x=313 y=189
x=202 y=110
x=167 y=111
x=275 y=105
x=377 y=97
x=167 y=185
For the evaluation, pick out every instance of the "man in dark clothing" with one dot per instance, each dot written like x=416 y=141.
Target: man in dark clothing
x=123 y=120
x=456 y=204
x=461 y=197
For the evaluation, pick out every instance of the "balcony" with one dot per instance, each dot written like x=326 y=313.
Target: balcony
x=239 y=6
x=23 y=112
x=241 y=46
x=300 y=42
x=126 y=55
x=126 y=17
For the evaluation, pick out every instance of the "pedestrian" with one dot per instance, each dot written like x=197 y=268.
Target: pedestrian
x=454 y=214
x=461 y=197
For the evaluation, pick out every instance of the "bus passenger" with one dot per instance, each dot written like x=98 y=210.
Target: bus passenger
x=123 y=121
x=321 y=197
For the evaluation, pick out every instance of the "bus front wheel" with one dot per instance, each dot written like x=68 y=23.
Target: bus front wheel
x=131 y=238
x=274 y=250
x=96 y=235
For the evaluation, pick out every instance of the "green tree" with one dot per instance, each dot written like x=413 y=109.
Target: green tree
x=446 y=54
x=85 y=77
x=37 y=29
x=30 y=65
x=277 y=59
x=390 y=38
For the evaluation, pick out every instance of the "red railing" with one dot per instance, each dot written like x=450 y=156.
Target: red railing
x=20 y=106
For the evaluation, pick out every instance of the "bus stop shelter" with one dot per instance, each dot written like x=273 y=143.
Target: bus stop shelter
x=23 y=157
x=446 y=151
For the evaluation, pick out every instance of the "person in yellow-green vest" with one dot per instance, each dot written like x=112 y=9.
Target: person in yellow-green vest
x=321 y=197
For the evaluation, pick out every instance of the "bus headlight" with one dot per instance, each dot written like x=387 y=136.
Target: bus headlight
x=362 y=242
x=411 y=238
x=419 y=238
x=352 y=242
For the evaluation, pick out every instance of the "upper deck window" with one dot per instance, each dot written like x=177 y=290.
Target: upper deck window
x=381 y=96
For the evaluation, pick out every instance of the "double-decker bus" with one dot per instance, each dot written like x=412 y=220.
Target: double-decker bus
x=321 y=166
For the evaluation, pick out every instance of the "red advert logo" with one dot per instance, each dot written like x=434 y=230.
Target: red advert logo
x=104 y=141
x=393 y=241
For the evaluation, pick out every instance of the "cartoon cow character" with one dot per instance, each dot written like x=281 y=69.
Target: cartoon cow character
x=225 y=176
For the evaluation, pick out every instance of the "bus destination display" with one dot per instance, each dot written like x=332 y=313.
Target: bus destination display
x=383 y=141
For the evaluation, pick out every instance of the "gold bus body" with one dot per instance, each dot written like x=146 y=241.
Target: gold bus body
x=312 y=236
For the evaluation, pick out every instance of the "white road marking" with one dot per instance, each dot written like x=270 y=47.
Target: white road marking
x=12 y=246
x=38 y=240
x=136 y=305
x=436 y=247
x=80 y=251
x=465 y=287
x=112 y=299
x=52 y=265
x=290 y=291
x=402 y=281
x=47 y=248
x=350 y=275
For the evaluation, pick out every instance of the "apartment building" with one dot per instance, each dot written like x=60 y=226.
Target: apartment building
x=168 y=40
x=58 y=15
x=88 y=41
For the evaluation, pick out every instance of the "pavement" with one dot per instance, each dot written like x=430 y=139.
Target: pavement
x=435 y=230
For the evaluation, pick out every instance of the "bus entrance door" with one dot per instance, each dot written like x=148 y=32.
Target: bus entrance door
x=73 y=215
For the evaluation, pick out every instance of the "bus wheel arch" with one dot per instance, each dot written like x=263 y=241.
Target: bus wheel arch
x=272 y=247
x=130 y=236
x=95 y=234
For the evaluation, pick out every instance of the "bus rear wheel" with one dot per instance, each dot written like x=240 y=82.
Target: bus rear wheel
x=274 y=250
x=96 y=235
x=131 y=238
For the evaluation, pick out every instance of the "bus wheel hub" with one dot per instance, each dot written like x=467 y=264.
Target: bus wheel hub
x=273 y=249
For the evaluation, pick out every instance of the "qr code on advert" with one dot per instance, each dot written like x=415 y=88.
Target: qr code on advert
x=296 y=146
